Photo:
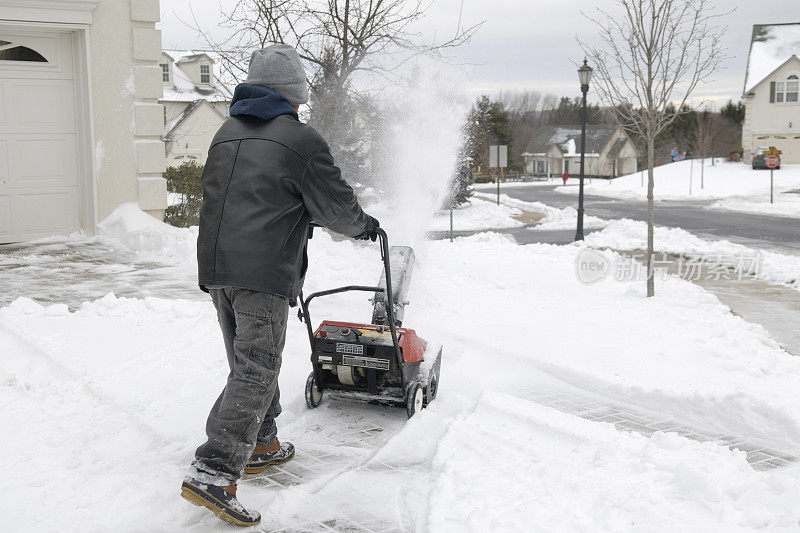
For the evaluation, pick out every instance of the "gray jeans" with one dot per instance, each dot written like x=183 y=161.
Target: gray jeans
x=254 y=330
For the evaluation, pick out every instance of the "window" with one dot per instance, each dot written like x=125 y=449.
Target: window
x=164 y=72
x=787 y=91
x=540 y=167
x=205 y=74
x=165 y=114
x=13 y=52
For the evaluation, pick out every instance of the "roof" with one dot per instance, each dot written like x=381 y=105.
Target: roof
x=185 y=90
x=187 y=56
x=617 y=148
x=569 y=137
x=180 y=119
x=770 y=47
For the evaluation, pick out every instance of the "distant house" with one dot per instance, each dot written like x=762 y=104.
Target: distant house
x=195 y=104
x=554 y=149
x=772 y=91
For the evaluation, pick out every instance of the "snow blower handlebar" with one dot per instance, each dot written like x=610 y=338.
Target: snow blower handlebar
x=303 y=314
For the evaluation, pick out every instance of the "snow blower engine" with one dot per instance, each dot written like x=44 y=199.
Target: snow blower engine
x=379 y=362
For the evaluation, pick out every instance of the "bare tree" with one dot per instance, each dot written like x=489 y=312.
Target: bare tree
x=338 y=39
x=655 y=53
x=523 y=113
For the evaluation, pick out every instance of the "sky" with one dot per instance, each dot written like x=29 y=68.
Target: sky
x=527 y=44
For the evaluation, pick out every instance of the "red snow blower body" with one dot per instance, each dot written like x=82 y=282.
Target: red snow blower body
x=378 y=362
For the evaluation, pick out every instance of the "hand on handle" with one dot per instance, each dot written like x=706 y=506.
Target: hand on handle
x=370 y=233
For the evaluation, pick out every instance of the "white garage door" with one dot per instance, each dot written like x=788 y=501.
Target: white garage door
x=38 y=141
x=789 y=144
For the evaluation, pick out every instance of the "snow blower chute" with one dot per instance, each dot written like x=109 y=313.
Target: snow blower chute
x=380 y=362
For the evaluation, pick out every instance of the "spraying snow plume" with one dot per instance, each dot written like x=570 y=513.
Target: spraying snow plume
x=418 y=152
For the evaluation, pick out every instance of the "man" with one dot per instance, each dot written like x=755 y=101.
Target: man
x=267 y=175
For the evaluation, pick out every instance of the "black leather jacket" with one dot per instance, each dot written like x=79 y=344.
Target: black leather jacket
x=263 y=181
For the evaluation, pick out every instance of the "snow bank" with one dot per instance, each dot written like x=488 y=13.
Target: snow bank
x=554 y=218
x=138 y=231
x=672 y=181
x=478 y=214
x=493 y=186
x=785 y=205
x=632 y=235
x=572 y=474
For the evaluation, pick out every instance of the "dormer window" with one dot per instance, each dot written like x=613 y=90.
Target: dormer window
x=787 y=91
x=205 y=74
x=164 y=72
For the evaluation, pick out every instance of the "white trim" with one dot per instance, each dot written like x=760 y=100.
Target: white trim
x=84 y=116
x=51 y=11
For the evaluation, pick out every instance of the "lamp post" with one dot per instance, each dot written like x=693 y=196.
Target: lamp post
x=585 y=75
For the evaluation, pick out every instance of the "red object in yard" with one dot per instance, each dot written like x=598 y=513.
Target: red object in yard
x=564 y=176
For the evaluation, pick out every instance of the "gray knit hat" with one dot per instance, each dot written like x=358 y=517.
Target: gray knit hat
x=278 y=67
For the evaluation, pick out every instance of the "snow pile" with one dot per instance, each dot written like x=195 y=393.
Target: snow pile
x=478 y=214
x=785 y=205
x=493 y=186
x=140 y=232
x=672 y=182
x=572 y=474
x=554 y=218
x=632 y=235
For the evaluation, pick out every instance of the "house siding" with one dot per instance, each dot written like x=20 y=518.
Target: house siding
x=191 y=139
x=770 y=121
x=126 y=79
x=601 y=165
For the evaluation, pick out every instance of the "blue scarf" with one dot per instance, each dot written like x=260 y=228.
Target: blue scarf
x=260 y=102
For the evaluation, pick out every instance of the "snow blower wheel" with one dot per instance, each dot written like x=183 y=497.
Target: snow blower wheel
x=313 y=395
x=377 y=362
x=414 y=400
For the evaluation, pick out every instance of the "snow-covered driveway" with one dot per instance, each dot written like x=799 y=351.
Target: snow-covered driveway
x=101 y=408
x=72 y=271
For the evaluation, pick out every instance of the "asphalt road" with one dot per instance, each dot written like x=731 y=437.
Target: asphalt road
x=777 y=233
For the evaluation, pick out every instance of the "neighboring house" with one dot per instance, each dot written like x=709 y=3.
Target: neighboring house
x=80 y=122
x=554 y=149
x=195 y=104
x=772 y=91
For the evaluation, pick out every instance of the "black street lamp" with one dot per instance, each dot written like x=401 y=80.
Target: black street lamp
x=585 y=75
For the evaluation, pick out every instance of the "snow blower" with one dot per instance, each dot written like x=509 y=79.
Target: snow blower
x=380 y=362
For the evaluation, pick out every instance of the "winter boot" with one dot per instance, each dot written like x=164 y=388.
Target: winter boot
x=273 y=454
x=220 y=500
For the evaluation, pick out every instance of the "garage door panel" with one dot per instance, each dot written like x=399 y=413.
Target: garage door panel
x=55 y=48
x=46 y=162
x=45 y=214
x=5 y=217
x=5 y=174
x=33 y=107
